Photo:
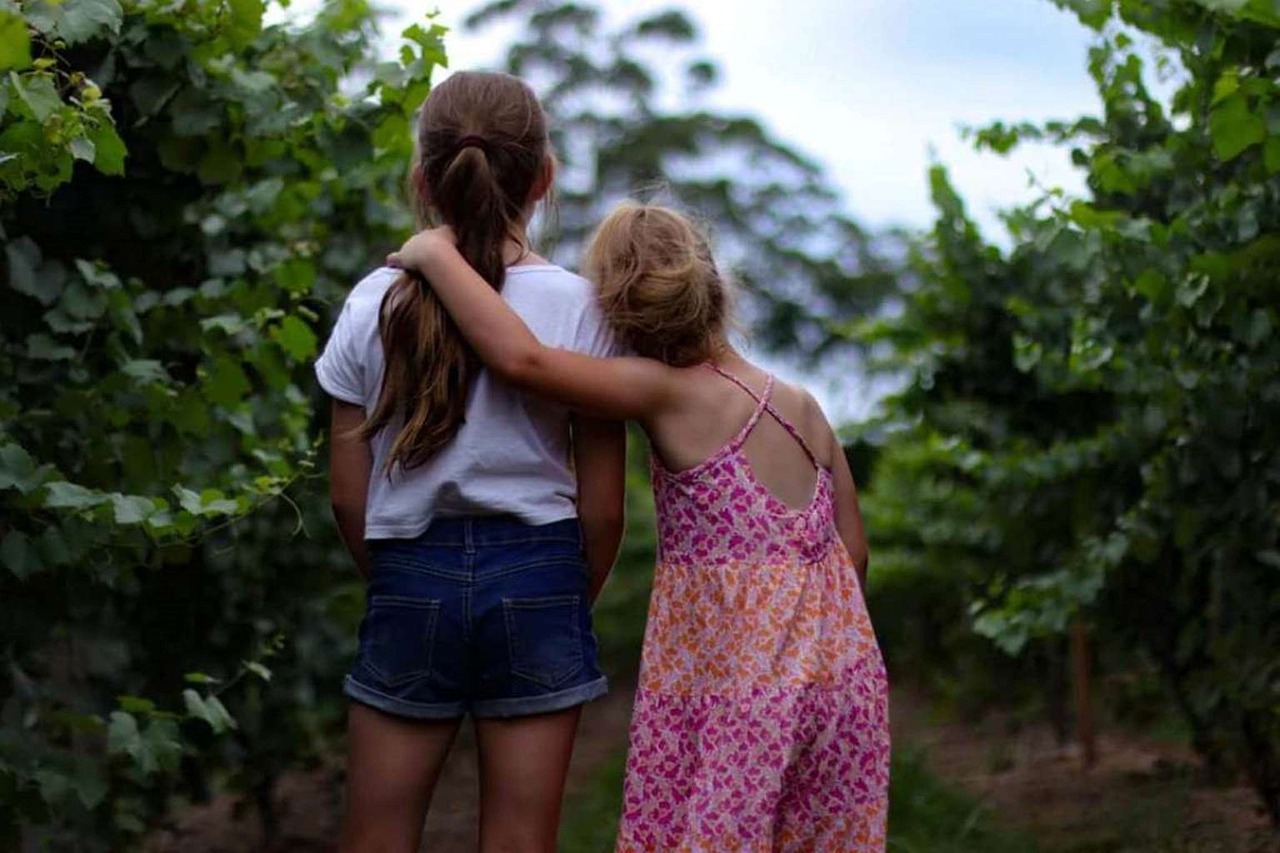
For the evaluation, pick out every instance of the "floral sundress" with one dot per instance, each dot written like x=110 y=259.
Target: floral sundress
x=761 y=718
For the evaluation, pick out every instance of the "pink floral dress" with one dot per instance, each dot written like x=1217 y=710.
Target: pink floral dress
x=761 y=719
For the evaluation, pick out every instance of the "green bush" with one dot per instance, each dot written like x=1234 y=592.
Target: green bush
x=1093 y=415
x=185 y=196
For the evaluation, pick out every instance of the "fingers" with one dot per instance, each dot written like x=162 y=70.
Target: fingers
x=394 y=260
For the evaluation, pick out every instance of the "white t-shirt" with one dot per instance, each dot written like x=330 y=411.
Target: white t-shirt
x=512 y=454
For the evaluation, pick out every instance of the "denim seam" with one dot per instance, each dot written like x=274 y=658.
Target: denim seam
x=483 y=542
x=534 y=565
x=360 y=692
x=523 y=706
x=408 y=564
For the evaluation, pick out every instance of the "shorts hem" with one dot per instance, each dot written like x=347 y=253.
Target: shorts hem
x=366 y=695
x=524 y=706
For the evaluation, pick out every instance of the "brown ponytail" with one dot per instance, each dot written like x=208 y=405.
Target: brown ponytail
x=482 y=146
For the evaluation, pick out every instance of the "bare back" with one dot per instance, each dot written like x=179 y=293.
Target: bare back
x=715 y=410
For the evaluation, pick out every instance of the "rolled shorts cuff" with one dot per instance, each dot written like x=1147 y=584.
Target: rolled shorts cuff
x=366 y=695
x=524 y=706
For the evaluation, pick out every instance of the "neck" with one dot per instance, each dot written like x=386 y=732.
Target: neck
x=517 y=250
x=726 y=356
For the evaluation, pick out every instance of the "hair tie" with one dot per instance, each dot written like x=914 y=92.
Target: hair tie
x=471 y=140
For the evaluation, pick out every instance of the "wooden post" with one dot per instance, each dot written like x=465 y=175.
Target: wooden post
x=1081 y=675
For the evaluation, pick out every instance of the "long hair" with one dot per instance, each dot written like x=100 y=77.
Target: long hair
x=482 y=146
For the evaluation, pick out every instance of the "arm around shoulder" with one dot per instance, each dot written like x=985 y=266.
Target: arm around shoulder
x=617 y=388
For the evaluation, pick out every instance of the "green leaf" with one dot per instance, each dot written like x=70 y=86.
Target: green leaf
x=1234 y=127
x=258 y=669
x=136 y=705
x=17 y=469
x=123 y=736
x=19 y=555
x=296 y=275
x=15 y=42
x=109 y=150
x=23 y=256
x=246 y=20
x=228 y=324
x=162 y=745
x=82 y=303
x=64 y=495
x=296 y=338
x=226 y=383
x=392 y=131
x=1226 y=86
x=97 y=275
x=1092 y=13
x=39 y=93
x=1271 y=155
x=54 y=785
x=82 y=148
x=41 y=347
x=86 y=19
x=131 y=509
x=208 y=709
x=146 y=371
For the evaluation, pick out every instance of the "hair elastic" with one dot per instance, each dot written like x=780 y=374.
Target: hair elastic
x=471 y=140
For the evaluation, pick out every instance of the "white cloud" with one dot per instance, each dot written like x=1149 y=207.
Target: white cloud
x=870 y=88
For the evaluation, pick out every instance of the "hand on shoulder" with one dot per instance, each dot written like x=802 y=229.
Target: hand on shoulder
x=424 y=250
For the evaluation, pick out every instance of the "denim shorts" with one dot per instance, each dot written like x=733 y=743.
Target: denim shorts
x=485 y=616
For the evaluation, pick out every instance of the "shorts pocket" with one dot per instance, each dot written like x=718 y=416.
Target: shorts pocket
x=544 y=636
x=400 y=633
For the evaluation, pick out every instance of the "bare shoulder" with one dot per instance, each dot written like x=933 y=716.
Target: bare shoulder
x=807 y=415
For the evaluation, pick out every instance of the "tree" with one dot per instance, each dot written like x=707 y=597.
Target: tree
x=1093 y=413
x=185 y=194
x=623 y=125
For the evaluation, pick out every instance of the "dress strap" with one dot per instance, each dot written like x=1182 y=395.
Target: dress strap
x=764 y=404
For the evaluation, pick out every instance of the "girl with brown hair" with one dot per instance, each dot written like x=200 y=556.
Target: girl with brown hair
x=761 y=716
x=484 y=521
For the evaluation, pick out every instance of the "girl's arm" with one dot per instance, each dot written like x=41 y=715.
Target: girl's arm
x=612 y=388
x=600 y=461
x=350 y=464
x=848 y=516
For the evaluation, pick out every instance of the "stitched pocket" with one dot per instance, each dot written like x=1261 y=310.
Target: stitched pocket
x=544 y=636
x=400 y=633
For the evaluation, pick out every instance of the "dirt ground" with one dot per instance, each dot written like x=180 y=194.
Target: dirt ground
x=1140 y=795
x=310 y=803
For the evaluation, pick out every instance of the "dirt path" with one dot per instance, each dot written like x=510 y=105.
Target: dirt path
x=309 y=804
x=1141 y=795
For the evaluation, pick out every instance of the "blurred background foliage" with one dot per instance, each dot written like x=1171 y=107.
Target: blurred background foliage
x=1082 y=439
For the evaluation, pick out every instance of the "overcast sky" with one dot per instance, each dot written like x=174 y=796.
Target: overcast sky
x=876 y=90
x=871 y=87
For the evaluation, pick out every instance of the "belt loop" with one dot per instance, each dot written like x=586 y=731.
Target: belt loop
x=468 y=536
